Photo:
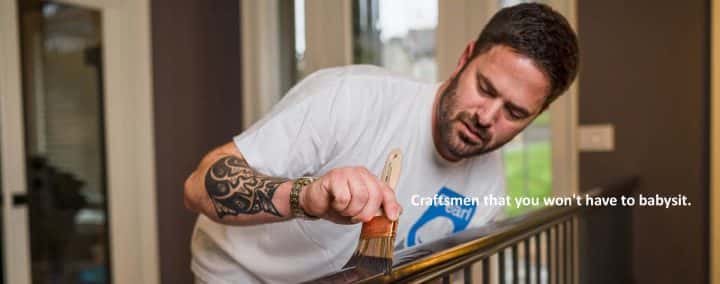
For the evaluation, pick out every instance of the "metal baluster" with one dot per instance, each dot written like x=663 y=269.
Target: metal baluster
x=561 y=252
x=572 y=250
x=568 y=246
x=548 y=255
x=467 y=274
x=501 y=266
x=446 y=279
x=527 y=261
x=515 y=267
x=538 y=254
x=556 y=257
x=486 y=270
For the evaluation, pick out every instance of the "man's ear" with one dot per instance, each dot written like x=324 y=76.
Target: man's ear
x=464 y=58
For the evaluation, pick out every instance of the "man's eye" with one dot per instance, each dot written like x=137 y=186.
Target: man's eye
x=482 y=91
x=515 y=115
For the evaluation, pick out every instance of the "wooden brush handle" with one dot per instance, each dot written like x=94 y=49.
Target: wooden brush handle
x=381 y=226
x=391 y=171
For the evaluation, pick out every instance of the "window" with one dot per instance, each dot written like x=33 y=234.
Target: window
x=398 y=35
x=528 y=163
x=299 y=20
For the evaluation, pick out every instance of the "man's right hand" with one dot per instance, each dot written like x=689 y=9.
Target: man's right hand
x=349 y=195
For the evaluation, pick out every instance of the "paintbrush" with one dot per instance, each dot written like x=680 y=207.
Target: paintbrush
x=377 y=236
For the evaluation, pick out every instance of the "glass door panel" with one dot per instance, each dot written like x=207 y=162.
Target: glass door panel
x=62 y=75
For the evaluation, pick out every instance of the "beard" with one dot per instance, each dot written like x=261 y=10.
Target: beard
x=450 y=124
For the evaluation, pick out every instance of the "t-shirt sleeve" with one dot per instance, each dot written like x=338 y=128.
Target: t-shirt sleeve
x=297 y=137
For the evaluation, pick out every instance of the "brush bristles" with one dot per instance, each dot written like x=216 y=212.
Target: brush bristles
x=374 y=254
x=376 y=247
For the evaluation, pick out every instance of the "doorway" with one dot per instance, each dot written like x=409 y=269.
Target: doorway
x=77 y=162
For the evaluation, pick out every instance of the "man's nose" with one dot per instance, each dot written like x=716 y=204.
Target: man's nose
x=488 y=114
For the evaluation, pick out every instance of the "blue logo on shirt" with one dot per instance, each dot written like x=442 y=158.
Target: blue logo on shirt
x=441 y=220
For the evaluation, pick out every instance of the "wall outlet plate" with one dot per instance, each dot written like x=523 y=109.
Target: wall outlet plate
x=596 y=138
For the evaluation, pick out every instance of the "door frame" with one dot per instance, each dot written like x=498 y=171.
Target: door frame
x=130 y=153
x=714 y=237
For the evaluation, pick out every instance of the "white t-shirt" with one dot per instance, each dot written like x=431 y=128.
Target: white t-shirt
x=346 y=116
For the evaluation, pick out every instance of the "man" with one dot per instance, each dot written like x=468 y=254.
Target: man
x=283 y=201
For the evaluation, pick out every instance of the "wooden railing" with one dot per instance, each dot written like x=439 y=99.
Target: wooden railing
x=539 y=247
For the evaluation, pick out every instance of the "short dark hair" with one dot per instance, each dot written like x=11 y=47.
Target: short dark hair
x=540 y=33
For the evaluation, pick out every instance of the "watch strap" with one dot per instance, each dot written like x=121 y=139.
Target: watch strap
x=297 y=186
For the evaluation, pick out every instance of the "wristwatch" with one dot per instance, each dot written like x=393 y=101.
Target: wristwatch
x=297 y=187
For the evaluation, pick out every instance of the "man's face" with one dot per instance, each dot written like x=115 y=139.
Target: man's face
x=495 y=97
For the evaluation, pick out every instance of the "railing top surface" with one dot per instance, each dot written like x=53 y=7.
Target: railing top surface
x=476 y=242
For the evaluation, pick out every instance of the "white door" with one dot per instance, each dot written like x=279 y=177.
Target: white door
x=76 y=155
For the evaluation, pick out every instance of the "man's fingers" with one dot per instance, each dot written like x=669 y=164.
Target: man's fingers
x=375 y=198
x=358 y=196
x=340 y=195
x=389 y=203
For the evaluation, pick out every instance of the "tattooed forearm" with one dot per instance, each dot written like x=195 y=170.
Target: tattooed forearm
x=235 y=188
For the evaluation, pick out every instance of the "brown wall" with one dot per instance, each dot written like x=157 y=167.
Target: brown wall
x=196 y=73
x=645 y=69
